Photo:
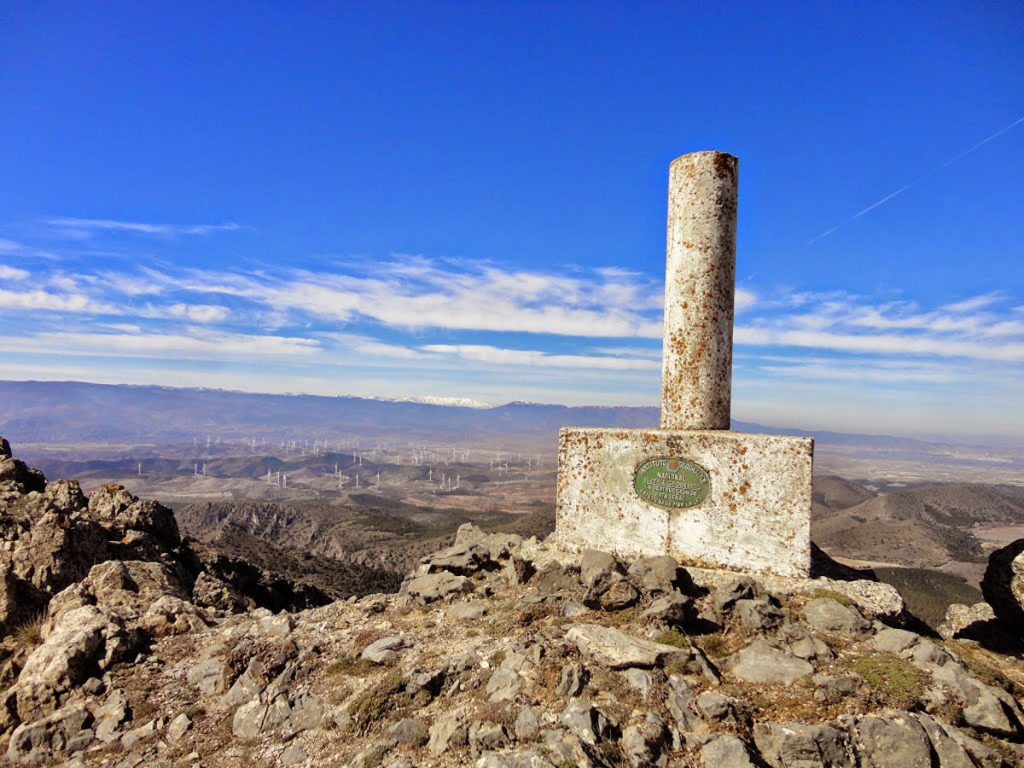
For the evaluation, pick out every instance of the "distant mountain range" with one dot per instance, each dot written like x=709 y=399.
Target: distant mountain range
x=76 y=412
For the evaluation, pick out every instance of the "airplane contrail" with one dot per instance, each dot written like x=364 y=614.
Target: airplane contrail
x=923 y=176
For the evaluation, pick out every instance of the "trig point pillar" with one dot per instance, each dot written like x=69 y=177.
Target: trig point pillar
x=700 y=286
x=693 y=489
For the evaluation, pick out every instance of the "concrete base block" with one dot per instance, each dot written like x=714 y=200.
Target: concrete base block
x=756 y=517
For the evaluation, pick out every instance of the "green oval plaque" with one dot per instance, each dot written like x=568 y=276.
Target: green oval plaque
x=672 y=482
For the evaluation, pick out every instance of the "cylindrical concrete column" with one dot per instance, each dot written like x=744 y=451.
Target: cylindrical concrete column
x=700 y=287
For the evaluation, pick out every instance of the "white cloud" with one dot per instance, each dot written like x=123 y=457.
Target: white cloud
x=880 y=343
x=78 y=227
x=518 y=357
x=129 y=285
x=57 y=302
x=974 y=302
x=13 y=273
x=196 y=344
x=745 y=299
x=199 y=313
x=414 y=294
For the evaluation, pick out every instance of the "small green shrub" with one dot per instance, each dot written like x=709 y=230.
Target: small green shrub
x=895 y=678
x=674 y=638
x=350 y=665
x=832 y=594
x=390 y=697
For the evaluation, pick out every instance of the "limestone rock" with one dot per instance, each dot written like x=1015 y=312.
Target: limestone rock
x=967 y=621
x=447 y=732
x=830 y=616
x=463 y=559
x=643 y=742
x=437 y=586
x=584 y=721
x=898 y=741
x=787 y=745
x=1003 y=585
x=726 y=751
x=82 y=639
x=659 y=575
x=211 y=592
x=572 y=680
x=671 y=610
x=411 y=731
x=64 y=730
x=384 y=650
x=178 y=727
x=759 y=662
x=615 y=649
x=110 y=715
x=758 y=614
x=467 y=610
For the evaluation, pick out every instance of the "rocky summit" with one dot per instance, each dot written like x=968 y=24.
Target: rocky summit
x=123 y=648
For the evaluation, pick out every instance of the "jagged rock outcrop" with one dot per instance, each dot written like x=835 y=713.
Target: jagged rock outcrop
x=87 y=583
x=1003 y=585
x=502 y=652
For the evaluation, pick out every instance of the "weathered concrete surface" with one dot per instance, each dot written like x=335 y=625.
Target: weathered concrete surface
x=755 y=518
x=700 y=283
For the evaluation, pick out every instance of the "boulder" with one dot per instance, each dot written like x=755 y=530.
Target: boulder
x=659 y=575
x=466 y=610
x=584 y=721
x=125 y=588
x=615 y=649
x=1003 y=585
x=786 y=745
x=437 y=586
x=758 y=614
x=498 y=546
x=110 y=715
x=760 y=662
x=463 y=559
x=830 y=616
x=409 y=731
x=447 y=732
x=644 y=740
x=81 y=640
x=596 y=565
x=670 y=610
x=64 y=730
x=211 y=592
x=726 y=751
x=897 y=741
x=971 y=622
x=385 y=650
x=115 y=506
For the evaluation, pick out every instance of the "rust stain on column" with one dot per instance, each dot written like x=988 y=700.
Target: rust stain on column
x=700 y=280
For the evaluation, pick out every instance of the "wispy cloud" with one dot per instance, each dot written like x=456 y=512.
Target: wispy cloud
x=408 y=325
x=199 y=313
x=13 y=273
x=965 y=329
x=519 y=357
x=195 y=344
x=412 y=293
x=77 y=227
x=40 y=300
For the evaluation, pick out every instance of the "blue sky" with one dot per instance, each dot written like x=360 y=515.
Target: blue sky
x=455 y=199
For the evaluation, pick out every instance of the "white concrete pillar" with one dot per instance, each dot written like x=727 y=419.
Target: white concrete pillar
x=700 y=285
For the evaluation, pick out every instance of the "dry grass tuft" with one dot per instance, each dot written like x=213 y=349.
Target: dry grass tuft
x=30 y=631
